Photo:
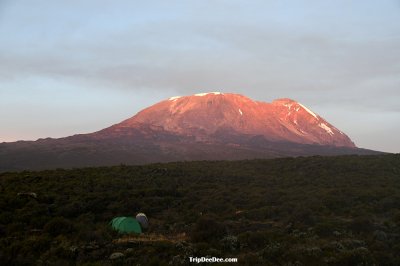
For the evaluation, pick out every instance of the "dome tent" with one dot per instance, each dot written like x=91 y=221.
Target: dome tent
x=126 y=225
x=142 y=219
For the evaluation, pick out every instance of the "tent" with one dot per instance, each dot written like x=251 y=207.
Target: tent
x=142 y=219
x=126 y=225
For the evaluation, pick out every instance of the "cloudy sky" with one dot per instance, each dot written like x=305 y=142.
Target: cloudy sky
x=71 y=66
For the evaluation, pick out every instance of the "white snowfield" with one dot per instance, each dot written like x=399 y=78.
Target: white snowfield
x=308 y=110
x=174 y=98
x=206 y=93
x=327 y=129
x=288 y=105
x=198 y=94
x=240 y=111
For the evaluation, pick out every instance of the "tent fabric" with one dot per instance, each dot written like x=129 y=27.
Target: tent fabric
x=126 y=225
x=142 y=219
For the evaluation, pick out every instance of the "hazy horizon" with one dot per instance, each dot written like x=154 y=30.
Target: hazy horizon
x=70 y=67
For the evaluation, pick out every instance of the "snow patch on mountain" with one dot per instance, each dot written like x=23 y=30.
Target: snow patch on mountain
x=308 y=110
x=327 y=129
x=174 y=98
x=206 y=93
x=288 y=105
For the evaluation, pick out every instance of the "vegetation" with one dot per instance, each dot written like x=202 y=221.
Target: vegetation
x=340 y=210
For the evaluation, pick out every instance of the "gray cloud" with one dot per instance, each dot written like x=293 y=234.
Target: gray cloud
x=234 y=46
x=259 y=61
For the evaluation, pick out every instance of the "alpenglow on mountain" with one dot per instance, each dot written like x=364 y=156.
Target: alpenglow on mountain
x=206 y=115
x=204 y=126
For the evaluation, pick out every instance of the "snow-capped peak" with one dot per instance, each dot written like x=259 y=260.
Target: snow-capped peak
x=174 y=98
x=281 y=120
x=206 y=93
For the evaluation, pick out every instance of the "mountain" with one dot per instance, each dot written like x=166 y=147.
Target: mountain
x=208 y=115
x=205 y=126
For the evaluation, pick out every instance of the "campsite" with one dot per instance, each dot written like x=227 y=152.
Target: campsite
x=291 y=210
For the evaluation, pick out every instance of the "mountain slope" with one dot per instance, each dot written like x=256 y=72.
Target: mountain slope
x=208 y=126
x=205 y=114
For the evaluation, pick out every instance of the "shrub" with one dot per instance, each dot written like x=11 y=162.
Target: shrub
x=361 y=225
x=58 y=225
x=207 y=229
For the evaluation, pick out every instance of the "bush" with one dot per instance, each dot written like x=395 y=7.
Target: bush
x=361 y=225
x=58 y=226
x=207 y=230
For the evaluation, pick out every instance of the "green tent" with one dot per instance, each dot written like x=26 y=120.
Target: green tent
x=126 y=225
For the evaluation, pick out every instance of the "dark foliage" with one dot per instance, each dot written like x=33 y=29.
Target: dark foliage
x=340 y=210
x=207 y=230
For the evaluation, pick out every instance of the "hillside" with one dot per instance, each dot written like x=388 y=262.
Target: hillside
x=340 y=210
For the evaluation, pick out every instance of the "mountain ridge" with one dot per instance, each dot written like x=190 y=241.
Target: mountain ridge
x=206 y=126
x=282 y=120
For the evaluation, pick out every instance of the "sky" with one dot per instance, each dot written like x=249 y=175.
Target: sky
x=71 y=66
